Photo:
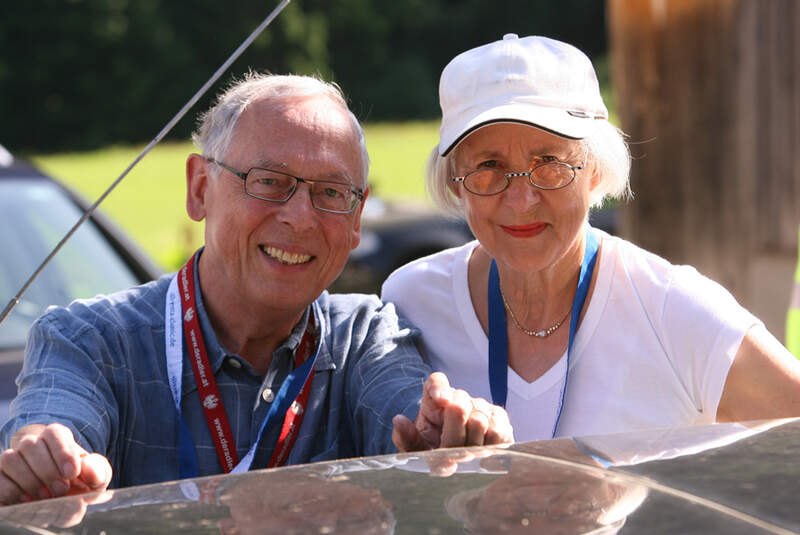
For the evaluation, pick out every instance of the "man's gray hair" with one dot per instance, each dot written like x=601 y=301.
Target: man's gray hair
x=215 y=126
x=607 y=151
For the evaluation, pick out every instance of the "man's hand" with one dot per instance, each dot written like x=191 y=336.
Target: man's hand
x=46 y=462
x=448 y=418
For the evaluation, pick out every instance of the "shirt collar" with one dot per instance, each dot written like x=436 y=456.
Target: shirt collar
x=291 y=343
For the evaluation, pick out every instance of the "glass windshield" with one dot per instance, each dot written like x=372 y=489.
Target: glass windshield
x=34 y=216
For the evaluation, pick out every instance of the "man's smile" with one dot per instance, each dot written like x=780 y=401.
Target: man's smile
x=285 y=257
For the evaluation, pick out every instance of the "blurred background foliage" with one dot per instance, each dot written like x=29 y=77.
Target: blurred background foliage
x=82 y=74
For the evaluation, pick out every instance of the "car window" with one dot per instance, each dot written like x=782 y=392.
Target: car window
x=34 y=216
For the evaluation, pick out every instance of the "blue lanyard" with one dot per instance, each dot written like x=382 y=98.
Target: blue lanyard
x=498 y=334
x=287 y=394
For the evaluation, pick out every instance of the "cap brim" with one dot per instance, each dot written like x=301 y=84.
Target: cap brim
x=556 y=121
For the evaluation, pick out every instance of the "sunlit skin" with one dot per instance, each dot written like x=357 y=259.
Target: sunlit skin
x=536 y=236
x=513 y=147
x=248 y=291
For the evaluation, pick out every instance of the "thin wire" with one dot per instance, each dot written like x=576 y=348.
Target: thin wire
x=164 y=131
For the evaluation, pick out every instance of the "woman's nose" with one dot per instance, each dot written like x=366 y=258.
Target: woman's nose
x=520 y=190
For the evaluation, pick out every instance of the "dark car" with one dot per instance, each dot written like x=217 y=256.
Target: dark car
x=36 y=211
x=395 y=233
x=725 y=478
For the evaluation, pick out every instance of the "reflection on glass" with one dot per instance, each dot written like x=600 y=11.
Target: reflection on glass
x=289 y=503
x=544 y=497
x=554 y=486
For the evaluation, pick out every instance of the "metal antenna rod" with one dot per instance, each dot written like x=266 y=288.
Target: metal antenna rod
x=164 y=131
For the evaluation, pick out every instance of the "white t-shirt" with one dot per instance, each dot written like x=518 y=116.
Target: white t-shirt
x=653 y=349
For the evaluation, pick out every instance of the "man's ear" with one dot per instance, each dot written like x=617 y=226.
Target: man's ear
x=197 y=177
x=357 y=223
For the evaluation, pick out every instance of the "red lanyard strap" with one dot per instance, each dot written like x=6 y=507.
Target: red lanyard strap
x=294 y=416
x=213 y=407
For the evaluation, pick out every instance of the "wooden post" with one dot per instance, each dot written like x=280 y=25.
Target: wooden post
x=709 y=93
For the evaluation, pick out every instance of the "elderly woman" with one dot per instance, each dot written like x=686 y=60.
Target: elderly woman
x=574 y=331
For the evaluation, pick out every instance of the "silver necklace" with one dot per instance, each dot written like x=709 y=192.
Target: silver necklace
x=544 y=333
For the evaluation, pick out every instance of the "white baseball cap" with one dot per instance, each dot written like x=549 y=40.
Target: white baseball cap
x=534 y=80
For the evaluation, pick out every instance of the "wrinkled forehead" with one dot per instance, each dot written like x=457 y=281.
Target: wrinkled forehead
x=315 y=115
x=503 y=138
x=315 y=134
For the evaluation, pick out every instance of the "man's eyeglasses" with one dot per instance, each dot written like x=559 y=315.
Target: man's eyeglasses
x=276 y=186
x=491 y=181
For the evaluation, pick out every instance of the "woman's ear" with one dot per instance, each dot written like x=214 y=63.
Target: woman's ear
x=595 y=176
x=448 y=171
x=197 y=177
x=454 y=188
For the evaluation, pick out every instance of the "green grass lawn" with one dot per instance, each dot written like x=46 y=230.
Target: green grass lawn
x=149 y=203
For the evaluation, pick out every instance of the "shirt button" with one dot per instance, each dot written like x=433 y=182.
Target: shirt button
x=268 y=395
x=235 y=364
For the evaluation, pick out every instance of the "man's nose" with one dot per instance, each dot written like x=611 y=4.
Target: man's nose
x=298 y=211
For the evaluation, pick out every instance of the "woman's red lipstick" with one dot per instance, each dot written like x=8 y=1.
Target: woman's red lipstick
x=524 y=231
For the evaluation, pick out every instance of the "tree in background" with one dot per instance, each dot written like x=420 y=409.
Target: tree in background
x=78 y=74
x=709 y=92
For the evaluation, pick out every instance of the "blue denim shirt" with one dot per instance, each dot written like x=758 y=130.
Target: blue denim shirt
x=98 y=367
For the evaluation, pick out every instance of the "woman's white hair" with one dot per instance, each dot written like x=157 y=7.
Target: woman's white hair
x=215 y=126
x=608 y=153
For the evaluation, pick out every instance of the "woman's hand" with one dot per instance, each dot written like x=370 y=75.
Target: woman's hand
x=450 y=417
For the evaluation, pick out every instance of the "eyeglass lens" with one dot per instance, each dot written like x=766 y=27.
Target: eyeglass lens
x=275 y=186
x=490 y=181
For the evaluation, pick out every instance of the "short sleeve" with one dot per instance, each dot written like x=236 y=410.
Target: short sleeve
x=702 y=328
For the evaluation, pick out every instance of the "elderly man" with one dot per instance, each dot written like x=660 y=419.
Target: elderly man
x=241 y=359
